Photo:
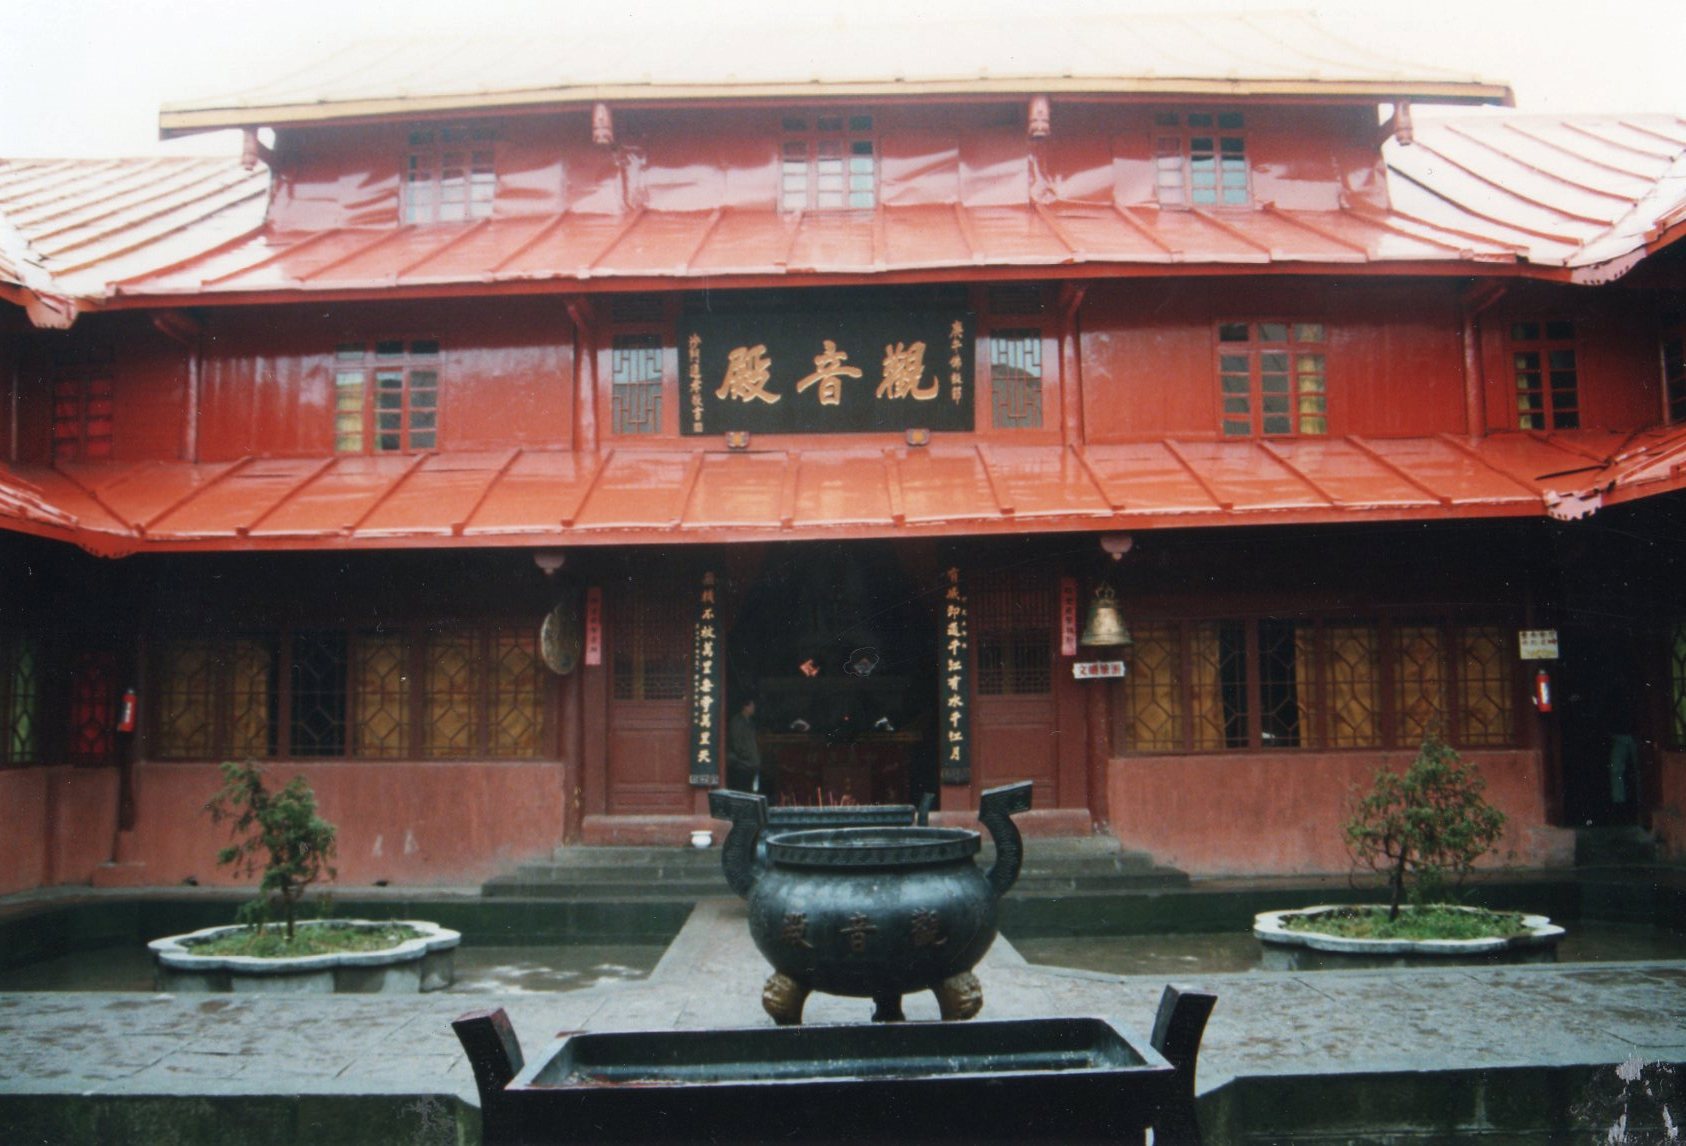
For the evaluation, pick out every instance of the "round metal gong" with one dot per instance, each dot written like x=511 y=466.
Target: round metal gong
x=559 y=639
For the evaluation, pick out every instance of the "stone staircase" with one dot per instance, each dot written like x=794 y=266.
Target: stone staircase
x=1619 y=846
x=1053 y=867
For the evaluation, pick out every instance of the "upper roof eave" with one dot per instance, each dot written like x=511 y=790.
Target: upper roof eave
x=189 y=117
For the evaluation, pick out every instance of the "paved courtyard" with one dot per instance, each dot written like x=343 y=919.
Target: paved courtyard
x=304 y=1048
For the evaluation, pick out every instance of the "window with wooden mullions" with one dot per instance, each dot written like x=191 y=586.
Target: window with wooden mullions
x=20 y=699
x=1542 y=355
x=449 y=175
x=1273 y=683
x=1273 y=379
x=828 y=162
x=386 y=397
x=1200 y=159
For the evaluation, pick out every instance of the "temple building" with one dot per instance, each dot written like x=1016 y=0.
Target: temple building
x=510 y=413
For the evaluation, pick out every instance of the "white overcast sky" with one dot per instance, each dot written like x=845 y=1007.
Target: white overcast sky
x=85 y=77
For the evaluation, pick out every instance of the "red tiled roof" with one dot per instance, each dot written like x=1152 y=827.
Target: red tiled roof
x=644 y=496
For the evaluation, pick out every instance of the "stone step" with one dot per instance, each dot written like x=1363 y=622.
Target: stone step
x=1608 y=846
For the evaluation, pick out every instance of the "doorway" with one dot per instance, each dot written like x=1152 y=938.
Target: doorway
x=836 y=643
x=1598 y=698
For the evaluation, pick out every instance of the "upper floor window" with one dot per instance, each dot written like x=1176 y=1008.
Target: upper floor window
x=449 y=175
x=386 y=396
x=1015 y=356
x=828 y=161
x=82 y=405
x=1674 y=373
x=1542 y=356
x=1200 y=159
x=636 y=351
x=1273 y=378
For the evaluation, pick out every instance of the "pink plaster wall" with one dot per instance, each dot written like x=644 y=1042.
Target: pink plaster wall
x=59 y=824
x=1281 y=814
x=1668 y=811
x=407 y=822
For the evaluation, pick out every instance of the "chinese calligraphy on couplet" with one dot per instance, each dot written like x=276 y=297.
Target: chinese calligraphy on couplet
x=706 y=685
x=954 y=690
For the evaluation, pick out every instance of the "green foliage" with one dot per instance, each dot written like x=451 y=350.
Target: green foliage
x=1424 y=828
x=312 y=939
x=280 y=830
x=1436 y=922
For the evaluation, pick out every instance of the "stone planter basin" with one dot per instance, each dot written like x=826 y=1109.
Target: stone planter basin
x=425 y=963
x=1045 y=1080
x=1286 y=950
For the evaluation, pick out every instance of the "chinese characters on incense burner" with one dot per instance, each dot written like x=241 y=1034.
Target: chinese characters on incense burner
x=841 y=372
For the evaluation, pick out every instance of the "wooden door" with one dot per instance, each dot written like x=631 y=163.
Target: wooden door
x=1015 y=718
x=649 y=636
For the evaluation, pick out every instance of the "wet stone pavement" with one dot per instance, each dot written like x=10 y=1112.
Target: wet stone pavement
x=305 y=1049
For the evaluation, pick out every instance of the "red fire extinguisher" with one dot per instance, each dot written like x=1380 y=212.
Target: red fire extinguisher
x=126 y=711
x=1542 y=691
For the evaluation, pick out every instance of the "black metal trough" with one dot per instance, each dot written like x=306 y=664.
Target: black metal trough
x=1054 y=1080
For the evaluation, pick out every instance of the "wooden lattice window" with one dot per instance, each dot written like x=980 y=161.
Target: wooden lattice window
x=1273 y=378
x=82 y=418
x=1352 y=664
x=828 y=162
x=386 y=396
x=1677 y=686
x=93 y=708
x=1542 y=355
x=1218 y=686
x=20 y=700
x=466 y=691
x=380 y=701
x=635 y=369
x=1674 y=374
x=1486 y=714
x=217 y=698
x=1153 y=692
x=1013 y=618
x=1015 y=378
x=450 y=175
x=1200 y=159
x=1275 y=683
x=652 y=640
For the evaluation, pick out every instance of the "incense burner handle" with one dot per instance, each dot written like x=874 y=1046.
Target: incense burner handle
x=996 y=809
x=747 y=814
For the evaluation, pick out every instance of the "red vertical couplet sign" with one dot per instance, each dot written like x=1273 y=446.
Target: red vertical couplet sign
x=594 y=627
x=1068 y=616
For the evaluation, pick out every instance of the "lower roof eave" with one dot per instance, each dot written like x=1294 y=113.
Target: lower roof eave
x=110 y=544
x=126 y=299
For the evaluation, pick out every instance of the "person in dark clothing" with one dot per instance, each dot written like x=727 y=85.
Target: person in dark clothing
x=743 y=754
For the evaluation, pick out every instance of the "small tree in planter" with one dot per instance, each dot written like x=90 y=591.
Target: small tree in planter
x=281 y=830
x=1426 y=826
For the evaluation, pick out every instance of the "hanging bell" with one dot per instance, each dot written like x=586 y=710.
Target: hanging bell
x=1105 y=627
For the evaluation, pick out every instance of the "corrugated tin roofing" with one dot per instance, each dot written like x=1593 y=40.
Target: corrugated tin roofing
x=1583 y=192
x=647 y=496
x=789 y=53
x=80 y=225
x=1580 y=197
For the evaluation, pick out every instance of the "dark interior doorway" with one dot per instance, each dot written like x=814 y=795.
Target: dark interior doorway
x=1598 y=700
x=837 y=645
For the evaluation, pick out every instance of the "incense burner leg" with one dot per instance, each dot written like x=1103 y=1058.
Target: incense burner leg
x=783 y=998
x=959 y=996
x=887 y=1009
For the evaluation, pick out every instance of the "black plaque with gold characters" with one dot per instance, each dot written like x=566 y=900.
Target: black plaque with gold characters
x=836 y=372
x=955 y=691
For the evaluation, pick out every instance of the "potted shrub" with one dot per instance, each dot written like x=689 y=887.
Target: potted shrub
x=279 y=836
x=1423 y=830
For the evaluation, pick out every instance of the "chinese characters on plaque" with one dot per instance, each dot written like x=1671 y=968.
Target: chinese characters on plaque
x=834 y=372
x=707 y=669
x=955 y=733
